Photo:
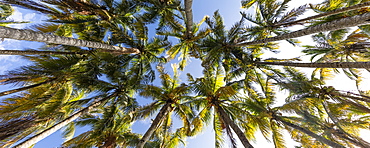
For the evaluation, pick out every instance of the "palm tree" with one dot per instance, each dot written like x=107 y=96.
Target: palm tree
x=109 y=130
x=236 y=90
x=187 y=45
x=189 y=16
x=266 y=15
x=101 y=13
x=364 y=65
x=150 y=50
x=324 y=14
x=215 y=47
x=36 y=110
x=171 y=97
x=45 y=100
x=46 y=70
x=336 y=47
x=120 y=86
x=261 y=106
x=34 y=139
x=163 y=11
x=29 y=35
x=36 y=52
x=340 y=124
x=213 y=95
x=329 y=26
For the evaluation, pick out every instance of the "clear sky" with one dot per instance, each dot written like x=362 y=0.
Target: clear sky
x=229 y=9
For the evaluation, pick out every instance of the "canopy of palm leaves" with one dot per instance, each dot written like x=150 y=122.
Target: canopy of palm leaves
x=103 y=58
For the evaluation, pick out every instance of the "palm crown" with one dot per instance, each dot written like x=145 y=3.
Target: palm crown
x=99 y=62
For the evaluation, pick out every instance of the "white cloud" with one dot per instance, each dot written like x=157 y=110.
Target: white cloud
x=17 y=15
x=29 y=16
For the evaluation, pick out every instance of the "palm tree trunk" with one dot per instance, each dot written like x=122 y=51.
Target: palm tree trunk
x=25 y=88
x=156 y=122
x=35 y=52
x=235 y=127
x=34 y=139
x=308 y=132
x=365 y=65
x=349 y=96
x=29 y=35
x=357 y=20
x=189 y=17
x=337 y=11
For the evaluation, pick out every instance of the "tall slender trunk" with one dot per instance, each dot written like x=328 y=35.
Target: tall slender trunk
x=320 y=65
x=25 y=88
x=357 y=20
x=189 y=17
x=156 y=122
x=235 y=127
x=364 y=98
x=30 y=35
x=34 y=139
x=35 y=52
x=337 y=11
x=308 y=132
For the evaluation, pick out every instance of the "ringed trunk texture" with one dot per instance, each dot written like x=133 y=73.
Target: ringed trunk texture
x=34 y=139
x=25 y=88
x=189 y=17
x=308 y=132
x=337 y=11
x=357 y=20
x=156 y=122
x=235 y=127
x=29 y=35
x=34 y=52
x=320 y=65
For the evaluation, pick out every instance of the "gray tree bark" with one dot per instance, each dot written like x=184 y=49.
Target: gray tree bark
x=357 y=20
x=189 y=17
x=235 y=127
x=29 y=35
x=34 y=139
x=337 y=11
x=320 y=65
x=35 y=52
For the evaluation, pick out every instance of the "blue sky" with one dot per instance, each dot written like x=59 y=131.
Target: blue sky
x=229 y=9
